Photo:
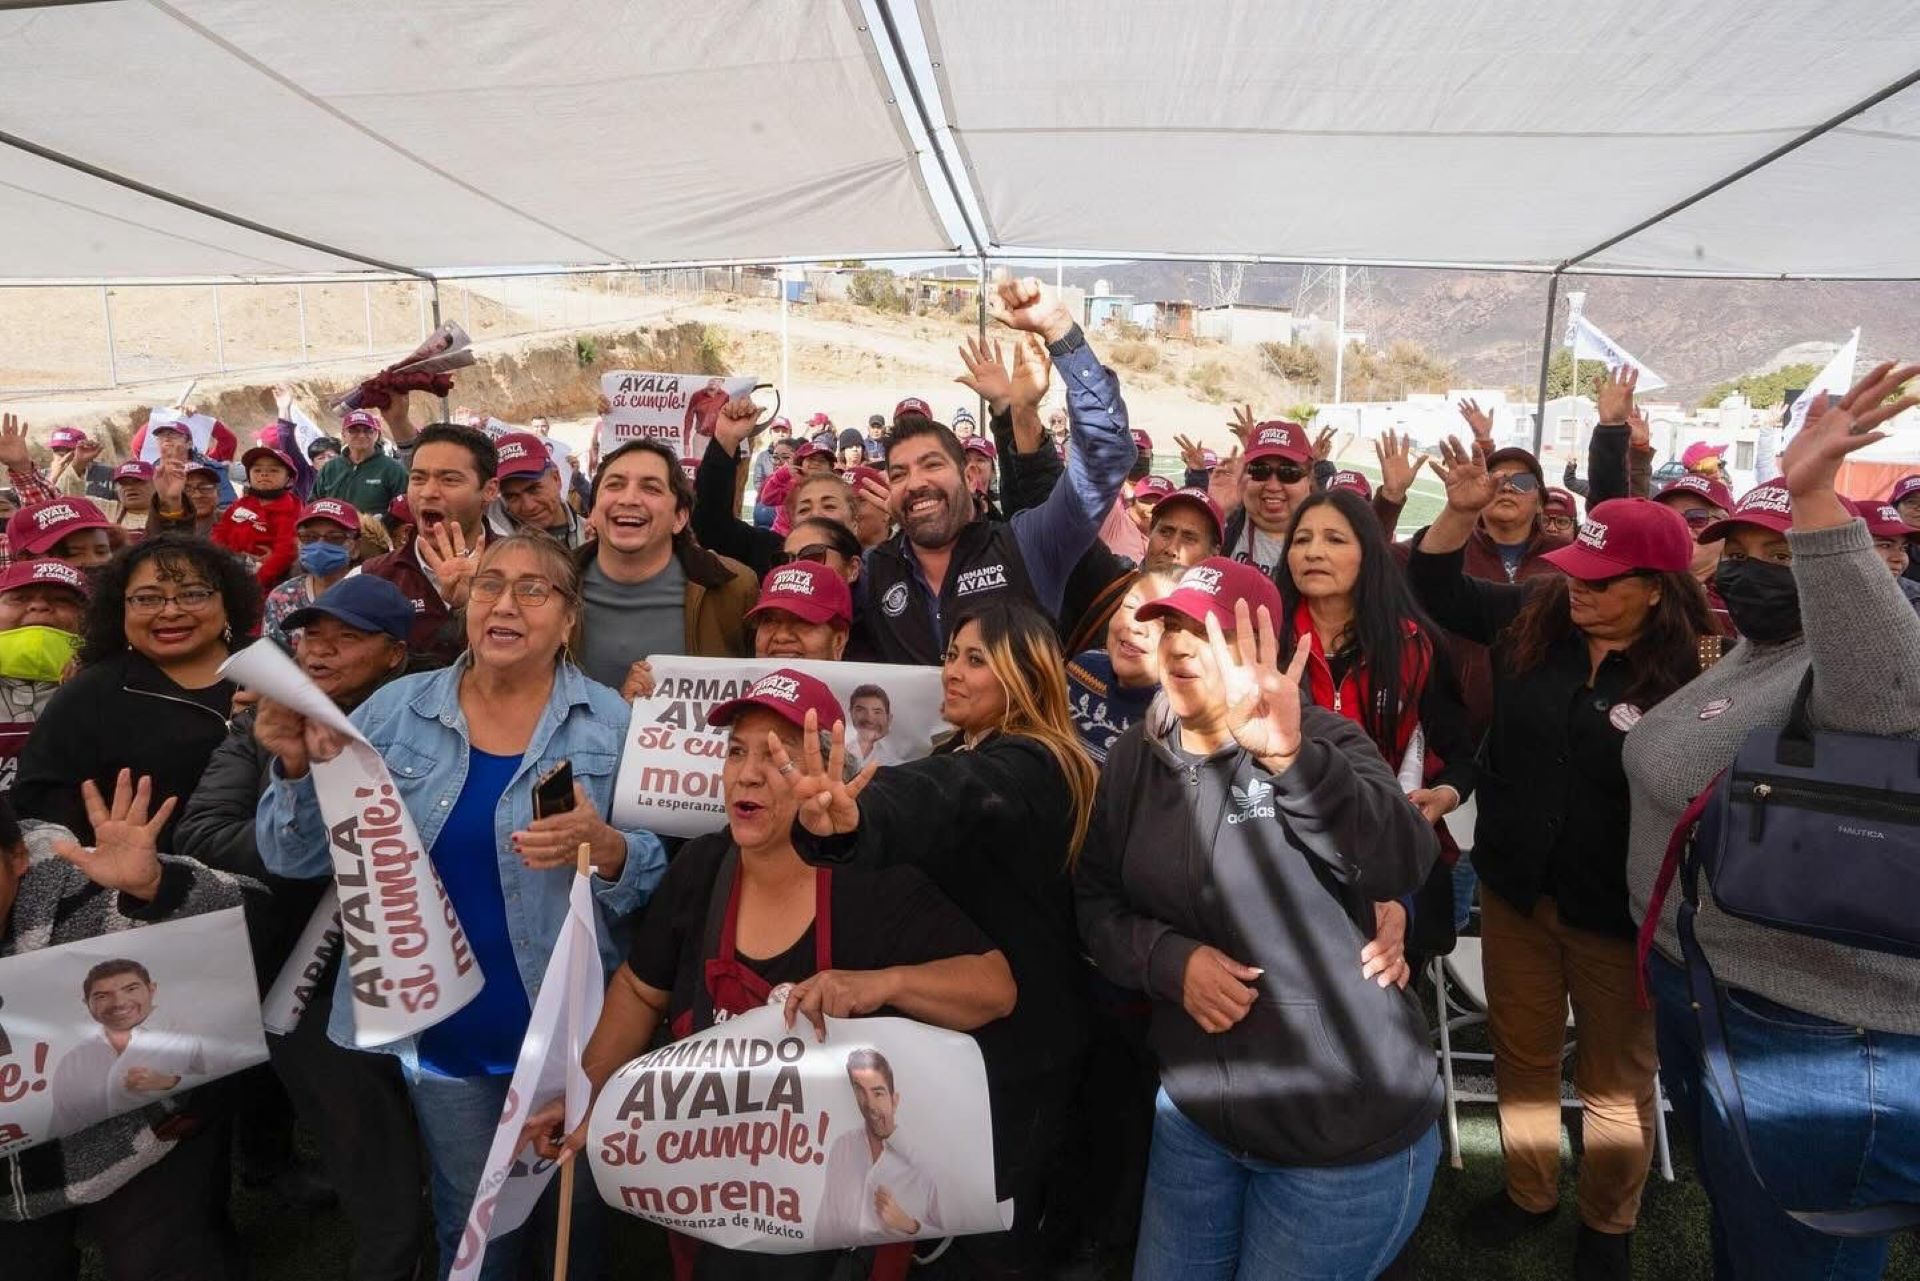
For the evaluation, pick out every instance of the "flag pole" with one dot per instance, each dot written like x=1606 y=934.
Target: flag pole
x=563 y=1231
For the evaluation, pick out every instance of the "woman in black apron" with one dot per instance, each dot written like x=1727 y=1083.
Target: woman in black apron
x=739 y=921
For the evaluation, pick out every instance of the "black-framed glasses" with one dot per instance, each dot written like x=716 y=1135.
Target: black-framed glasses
x=1520 y=482
x=338 y=537
x=531 y=590
x=1288 y=473
x=150 y=600
x=815 y=552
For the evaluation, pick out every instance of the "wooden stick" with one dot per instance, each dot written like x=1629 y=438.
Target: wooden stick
x=563 y=1234
x=585 y=865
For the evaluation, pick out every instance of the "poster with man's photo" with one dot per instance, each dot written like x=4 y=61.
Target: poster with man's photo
x=107 y=1025
x=754 y=1136
x=670 y=771
x=678 y=410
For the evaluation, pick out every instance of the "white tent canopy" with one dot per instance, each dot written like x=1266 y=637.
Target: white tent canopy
x=450 y=135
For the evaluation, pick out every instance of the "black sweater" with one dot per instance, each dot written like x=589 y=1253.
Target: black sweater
x=1279 y=872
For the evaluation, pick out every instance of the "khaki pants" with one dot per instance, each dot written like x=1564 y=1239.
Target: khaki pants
x=1534 y=964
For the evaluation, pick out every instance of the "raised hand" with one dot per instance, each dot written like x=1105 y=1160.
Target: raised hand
x=1192 y=456
x=1639 y=434
x=1615 y=398
x=13 y=444
x=283 y=401
x=1242 y=423
x=827 y=805
x=1470 y=487
x=1834 y=430
x=736 y=423
x=987 y=374
x=1032 y=371
x=1384 y=958
x=126 y=839
x=170 y=485
x=1323 y=445
x=1215 y=989
x=1397 y=472
x=1479 y=420
x=1263 y=702
x=1027 y=304
x=1223 y=483
x=85 y=452
x=444 y=551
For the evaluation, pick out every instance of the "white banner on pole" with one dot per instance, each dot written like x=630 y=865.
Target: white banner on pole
x=408 y=961
x=106 y=1025
x=678 y=410
x=669 y=779
x=1834 y=379
x=754 y=1136
x=293 y=991
x=1590 y=343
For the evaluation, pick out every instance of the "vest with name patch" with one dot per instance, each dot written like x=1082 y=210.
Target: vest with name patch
x=904 y=624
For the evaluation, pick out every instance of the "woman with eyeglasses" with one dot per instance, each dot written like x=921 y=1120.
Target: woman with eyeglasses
x=1702 y=501
x=466 y=746
x=1577 y=660
x=163 y=616
x=328 y=539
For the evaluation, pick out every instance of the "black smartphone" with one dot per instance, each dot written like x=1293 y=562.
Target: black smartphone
x=553 y=794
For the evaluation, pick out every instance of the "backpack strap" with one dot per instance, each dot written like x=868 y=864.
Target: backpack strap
x=1663 y=885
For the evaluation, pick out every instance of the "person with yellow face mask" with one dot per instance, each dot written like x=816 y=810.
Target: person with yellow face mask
x=41 y=605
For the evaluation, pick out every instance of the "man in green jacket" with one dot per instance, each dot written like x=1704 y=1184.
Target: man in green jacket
x=363 y=475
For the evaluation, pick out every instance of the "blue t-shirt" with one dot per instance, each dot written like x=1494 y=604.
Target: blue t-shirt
x=1102 y=708
x=1511 y=554
x=483 y=1037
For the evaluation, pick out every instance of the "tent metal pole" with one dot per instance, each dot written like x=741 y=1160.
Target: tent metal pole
x=1546 y=356
x=434 y=291
x=106 y=314
x=885 y=10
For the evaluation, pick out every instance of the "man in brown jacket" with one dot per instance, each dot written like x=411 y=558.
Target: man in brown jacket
x=647 y=585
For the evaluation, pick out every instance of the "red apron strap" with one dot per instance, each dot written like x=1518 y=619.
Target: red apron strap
x=1669 y=868
x=822 y=919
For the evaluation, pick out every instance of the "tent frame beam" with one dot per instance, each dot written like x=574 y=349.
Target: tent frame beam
x=978 y=244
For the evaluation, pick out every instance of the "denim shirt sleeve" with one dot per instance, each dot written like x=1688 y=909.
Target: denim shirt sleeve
x=289 y=830
x=1053 y=536
x=646 y=864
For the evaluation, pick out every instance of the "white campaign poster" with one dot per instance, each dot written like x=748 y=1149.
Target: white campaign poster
x=678 y=410
x=199 y=430
x=669 y=779
x=107 y=1025
x=756 y=1137
x=408 y=960
x=313 y=951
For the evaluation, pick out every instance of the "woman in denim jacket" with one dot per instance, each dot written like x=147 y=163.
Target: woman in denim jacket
x=465 y=746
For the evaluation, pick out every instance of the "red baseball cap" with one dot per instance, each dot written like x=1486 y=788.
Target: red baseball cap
x=1904 y=488
x=819 y=420
x=1209 y=460
x=361 y=418
x=1883 y=519
x=912 y=405
x=1142 y=442
x=806 y=590
x=401 y=510
x=1204 y=501
x=863 y=472
x=980 y=445
x=1214 y=587
x=133 y=469
x=521 y=454
x=341 y=513
x=73 y=437
x=1769 y=506
x=1711 y=488
x=1622 y=535
x=788 y=694
x=43 y=573
x=169 y=424
x=809 y=448
x=1562 y=501
x=1352 y=480
x=268 y=451
x=1279 y=439
x=39 y=526
x=1154 y=487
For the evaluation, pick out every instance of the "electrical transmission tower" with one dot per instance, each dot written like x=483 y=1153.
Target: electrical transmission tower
x=1224 y=282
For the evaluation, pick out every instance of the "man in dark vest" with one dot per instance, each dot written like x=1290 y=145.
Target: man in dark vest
x=945 y=557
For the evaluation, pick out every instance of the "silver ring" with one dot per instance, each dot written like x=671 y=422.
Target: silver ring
x=787 y=768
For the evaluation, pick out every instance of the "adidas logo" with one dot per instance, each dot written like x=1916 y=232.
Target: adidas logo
x=1255 y=800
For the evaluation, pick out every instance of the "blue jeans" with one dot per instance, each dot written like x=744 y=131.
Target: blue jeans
x=1465 y=881
x=458 y=1115
x=1212 y=1215
x=1830 y=1113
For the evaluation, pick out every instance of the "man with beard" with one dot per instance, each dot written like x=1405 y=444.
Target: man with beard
x=946 y=558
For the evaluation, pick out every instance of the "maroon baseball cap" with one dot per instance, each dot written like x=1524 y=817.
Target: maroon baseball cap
x=1883 y=519
x=343 y=514
x=268 y=451
x=819 y=420
x=35 y=528
x=521 y=454
x=1209 y=460
x=1152 y=487
x=809 y=449
x=1622 y=535
x=1142 y=442
x=1560 y=501
x=1204 y=501
x=980 y=445
x=400 y=510
x=788 y=694
x=1279 y=439
x=912 y=405
x=1351 y=480
x=863 y=472
x=133 y=470
x=205 y=466
x=1769 y=506
x=806 y=590
x=1214 y=587
x=1904 y=488
x=169 y=424
x=1710 y=488
x=73 y=437
x=362 y=419
x=43 y=573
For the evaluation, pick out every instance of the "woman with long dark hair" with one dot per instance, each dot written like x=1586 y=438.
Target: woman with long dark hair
x=1576 y=661
x=994 y=818
x=1377 y=659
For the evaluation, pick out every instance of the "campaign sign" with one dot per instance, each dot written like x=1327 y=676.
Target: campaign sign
x=678 y=410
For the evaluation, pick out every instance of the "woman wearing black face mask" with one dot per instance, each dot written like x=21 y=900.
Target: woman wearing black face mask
x=1825 y=1038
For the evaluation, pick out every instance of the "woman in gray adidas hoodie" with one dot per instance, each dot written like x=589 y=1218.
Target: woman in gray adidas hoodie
x=1825 y=1039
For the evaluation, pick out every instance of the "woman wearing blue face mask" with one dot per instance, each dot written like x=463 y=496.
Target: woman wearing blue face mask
x=328 y=536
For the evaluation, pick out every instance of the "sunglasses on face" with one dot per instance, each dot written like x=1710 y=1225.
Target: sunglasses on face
x=1287 y=473
x=1697 y=517
x=1605 y=584
x=815 y=552
x=1520 y=482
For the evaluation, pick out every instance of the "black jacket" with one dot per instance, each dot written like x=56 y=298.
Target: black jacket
x=1552 y=792
x=901 y=622
x=120 y=713
x=1279 y=872
x=716 y=514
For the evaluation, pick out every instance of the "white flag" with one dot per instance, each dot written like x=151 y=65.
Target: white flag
x=549 y=1066
x=1590 y=343
x=1835 y=379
